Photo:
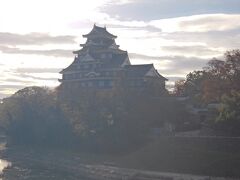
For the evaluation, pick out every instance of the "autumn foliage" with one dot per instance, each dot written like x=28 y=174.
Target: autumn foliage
x=218 y=83
x=218 y=78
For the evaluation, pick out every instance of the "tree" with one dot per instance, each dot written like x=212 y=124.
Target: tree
x=218 y=82
x=224 y=76
x=229 y=114
x=32 y=116
x=218 y=78
x=179 y=88
x=192 y=87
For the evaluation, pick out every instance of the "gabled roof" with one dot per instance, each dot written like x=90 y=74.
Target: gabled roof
x=99 y=50
x=87 y=57
x=71 y=67
x=139 y=71
x=100 y=31
x=115 y=61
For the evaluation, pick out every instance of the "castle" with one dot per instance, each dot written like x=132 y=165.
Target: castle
x=100 y=64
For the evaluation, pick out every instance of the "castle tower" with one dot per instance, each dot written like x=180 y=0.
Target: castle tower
x=99 y=62
x=96 y=64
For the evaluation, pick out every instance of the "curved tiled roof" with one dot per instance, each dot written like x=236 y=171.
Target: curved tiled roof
x=107 y=58
x=115 y=61
x=100 y=31
x=138 y=71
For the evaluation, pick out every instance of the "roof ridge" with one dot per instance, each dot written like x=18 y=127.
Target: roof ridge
x=102 y=30
x=96 y=26
x=141 y=64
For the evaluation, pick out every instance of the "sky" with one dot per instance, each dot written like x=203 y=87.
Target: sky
x=37 y=37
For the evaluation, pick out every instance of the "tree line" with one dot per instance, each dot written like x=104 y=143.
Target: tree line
x=218 y=83
x=92 y=120
x=120 y=118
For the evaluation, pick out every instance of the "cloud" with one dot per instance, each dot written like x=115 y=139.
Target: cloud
x=176 y=65
x=174 y=78
x=198 y=23
x=196 y=50
x=26 y=75
x=181 y=65
x=19 y=80
x=115 y=22
x=47 y=16
x=144 y=57
x=9 y=86
x=3 y=95
x=34 y=39
x=7 y=90
x=15 y=80
x=161 y=9
x=38 y=70
x=29 y=76
x=51 y=52
x=9 y=43
x=120 y=2
x=22 y=80
x=191 y=23
x=224 y=39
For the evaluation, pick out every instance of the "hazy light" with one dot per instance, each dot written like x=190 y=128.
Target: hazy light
x=3 y=165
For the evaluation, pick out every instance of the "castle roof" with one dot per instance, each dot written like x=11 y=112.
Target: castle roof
x=115 y=61
x=100 y=32
x=99 y=50
x=139 y=71
x=103 y=54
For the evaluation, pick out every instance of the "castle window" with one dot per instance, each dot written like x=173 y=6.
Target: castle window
x=69 y=76
x=83 y=84
x=101 y=83
x=103 y=56
x=108 y=83
x=74 y=76
x=132 y=83
x=90 y=84
x=111 y=83
x=107 y=73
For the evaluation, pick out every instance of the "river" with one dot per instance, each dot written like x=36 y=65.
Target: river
x=24 y=163
x=45 y=164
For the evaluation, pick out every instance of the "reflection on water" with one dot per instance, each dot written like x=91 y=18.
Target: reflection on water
x=4 y=164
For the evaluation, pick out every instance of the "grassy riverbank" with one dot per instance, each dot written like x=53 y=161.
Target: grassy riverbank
x=204 y=156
